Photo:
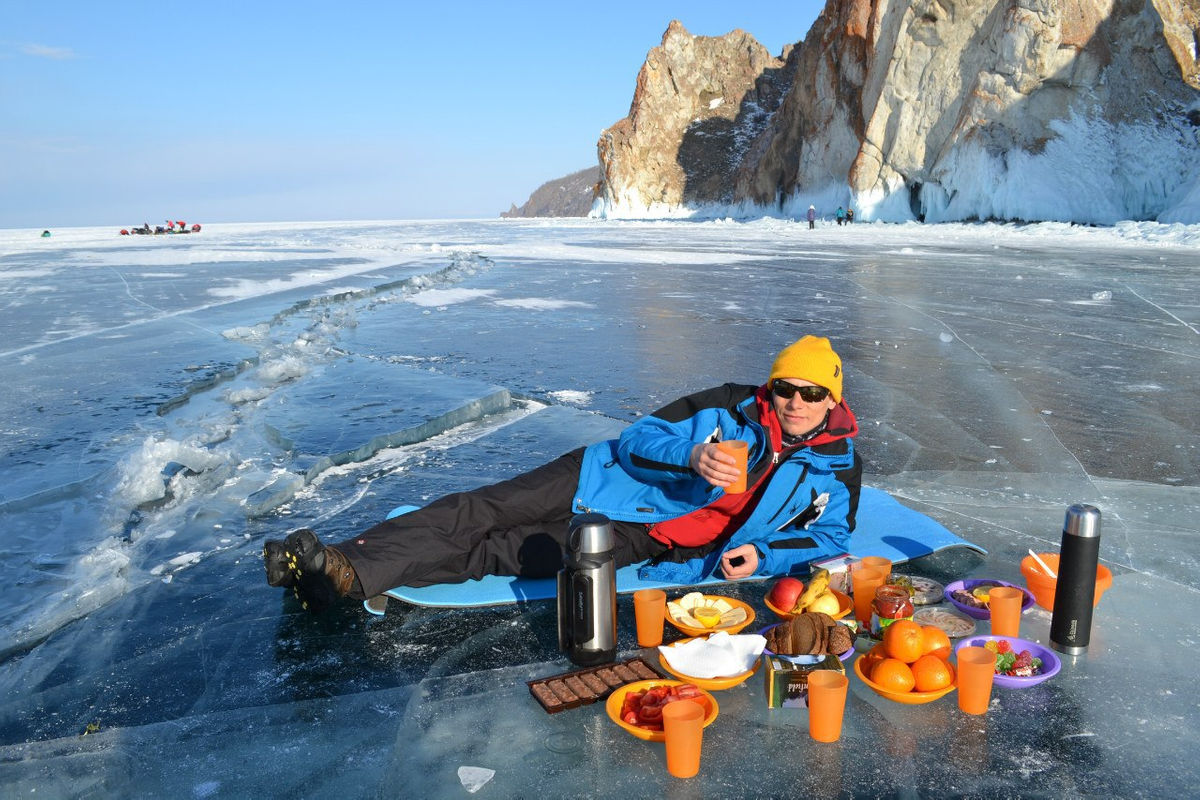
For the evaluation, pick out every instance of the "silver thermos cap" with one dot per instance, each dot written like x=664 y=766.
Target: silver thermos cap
x=590 y=534
x=1082 y=520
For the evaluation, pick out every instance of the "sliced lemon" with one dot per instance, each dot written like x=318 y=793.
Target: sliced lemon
x=708 y=616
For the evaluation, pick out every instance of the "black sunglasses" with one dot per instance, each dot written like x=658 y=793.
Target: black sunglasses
x=809 y=394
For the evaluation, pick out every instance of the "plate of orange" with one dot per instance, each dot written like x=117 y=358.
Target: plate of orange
x=911 y=665
x=893 y=682
x=845 y=606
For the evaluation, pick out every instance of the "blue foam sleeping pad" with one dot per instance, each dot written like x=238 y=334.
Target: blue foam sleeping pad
x=883 y=527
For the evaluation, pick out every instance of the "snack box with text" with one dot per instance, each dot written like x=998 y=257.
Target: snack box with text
x=839 y=570
x=786 y=678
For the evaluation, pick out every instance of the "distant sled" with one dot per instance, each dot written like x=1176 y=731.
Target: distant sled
x=883 y=527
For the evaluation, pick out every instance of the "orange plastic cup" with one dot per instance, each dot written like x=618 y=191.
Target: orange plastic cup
x=865 y=581
x=826 y=704
x=1005 y=605
x=650 y=611
x=877 y=561
x=683 y=729
x=976 y=673
x=741 y=451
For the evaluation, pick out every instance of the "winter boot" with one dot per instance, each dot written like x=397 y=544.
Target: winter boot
x=284 y=560
x=325 y=577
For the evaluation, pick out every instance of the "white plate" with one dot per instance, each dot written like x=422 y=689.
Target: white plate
x=927 y=591
x=955 y=625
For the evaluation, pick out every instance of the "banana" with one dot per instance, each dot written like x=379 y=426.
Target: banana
x=817 y=585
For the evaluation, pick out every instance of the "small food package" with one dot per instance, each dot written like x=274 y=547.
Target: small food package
x=786 y=677
x=838 y=568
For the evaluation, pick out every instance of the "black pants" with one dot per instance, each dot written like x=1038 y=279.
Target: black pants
x=515 y=527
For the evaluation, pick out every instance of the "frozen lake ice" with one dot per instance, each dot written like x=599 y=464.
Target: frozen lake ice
x=171 y=402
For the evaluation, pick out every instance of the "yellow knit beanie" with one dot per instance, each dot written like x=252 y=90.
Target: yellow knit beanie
x=810 y=359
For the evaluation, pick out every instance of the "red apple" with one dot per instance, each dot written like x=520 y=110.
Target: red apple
x=784 y=594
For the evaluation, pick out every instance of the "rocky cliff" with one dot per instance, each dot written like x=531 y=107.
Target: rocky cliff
x=571 y=196
x=1074 y=110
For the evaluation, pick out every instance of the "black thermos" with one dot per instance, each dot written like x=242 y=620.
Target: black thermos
x=1075 y=591
x=587 y=592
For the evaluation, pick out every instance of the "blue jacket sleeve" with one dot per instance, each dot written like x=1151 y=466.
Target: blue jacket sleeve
x=657 y=448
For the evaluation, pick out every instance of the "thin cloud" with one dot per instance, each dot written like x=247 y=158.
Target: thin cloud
x=47 y=51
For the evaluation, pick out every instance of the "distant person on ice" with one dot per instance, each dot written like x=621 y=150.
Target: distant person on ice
x=841 y=215
x=849 y=215
x=661 y=483
x=812 y=217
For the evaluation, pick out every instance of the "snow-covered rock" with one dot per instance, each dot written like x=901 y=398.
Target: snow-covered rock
x=1073 y=110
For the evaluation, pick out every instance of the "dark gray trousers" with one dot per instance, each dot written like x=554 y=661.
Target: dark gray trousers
x=515 y=527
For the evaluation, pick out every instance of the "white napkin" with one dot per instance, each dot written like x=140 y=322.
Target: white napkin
x=718 y=656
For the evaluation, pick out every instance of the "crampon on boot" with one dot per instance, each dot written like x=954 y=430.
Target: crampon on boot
x=284 y=560
x=318 y=575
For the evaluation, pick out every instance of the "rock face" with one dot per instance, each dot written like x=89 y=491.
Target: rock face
x=571 y=196
x=699 y=104
x=1074 y=110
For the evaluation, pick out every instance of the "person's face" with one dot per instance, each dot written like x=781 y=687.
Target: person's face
x=797 y=416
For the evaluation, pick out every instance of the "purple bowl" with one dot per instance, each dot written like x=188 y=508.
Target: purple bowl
x=1051 y=663
x=766 y=651
x=971 y=583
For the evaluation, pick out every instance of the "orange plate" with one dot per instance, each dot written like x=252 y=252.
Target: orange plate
x=844 y=601
x=711 y=684
x=908 y=698
x=617 y=699
x=730 y=629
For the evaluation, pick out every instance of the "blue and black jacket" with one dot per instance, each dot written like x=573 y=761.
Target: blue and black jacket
x=803 y=512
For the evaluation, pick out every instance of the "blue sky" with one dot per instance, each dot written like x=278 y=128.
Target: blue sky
x=118 y=114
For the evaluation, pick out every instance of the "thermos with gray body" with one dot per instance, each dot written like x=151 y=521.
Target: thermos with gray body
x=1075 y=591
x=587 y=592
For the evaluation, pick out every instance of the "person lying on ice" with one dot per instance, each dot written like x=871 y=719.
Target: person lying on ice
x=661 y=483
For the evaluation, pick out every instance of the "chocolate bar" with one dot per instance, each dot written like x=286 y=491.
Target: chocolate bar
x=585 y=686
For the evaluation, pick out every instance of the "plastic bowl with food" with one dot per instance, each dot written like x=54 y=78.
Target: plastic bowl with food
x=845 y=606
x=1051 y=663
x=971 y=586
x=734 y=614
x=805 y=659
x=912 y=698
x=616 y=702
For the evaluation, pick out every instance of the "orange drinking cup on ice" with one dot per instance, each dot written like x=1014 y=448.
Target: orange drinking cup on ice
x=741 y=451
x=865 y=581
x=650 y=612
x=976 y=673
x=878 y=561
x=826 y=704
x=683 y=730
x=1004 y=603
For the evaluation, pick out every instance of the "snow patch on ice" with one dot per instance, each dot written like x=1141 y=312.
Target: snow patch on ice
x=542 y=304
x=572 y=396
x=282 y=370
x=474 y=778
x=434 y=298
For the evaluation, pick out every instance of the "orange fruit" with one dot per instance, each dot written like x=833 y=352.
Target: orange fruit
x=935 y=641
x=872 y=657
x=893 y=675
x=931 y=673
x=904 y=640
